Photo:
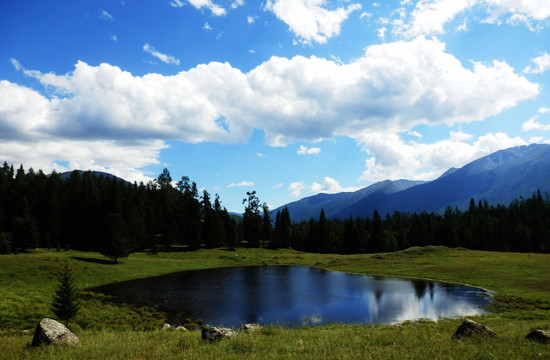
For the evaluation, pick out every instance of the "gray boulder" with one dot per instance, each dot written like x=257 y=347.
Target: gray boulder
x=542 y=336
x=51 y=332
x=181 y=328
x=470 y=327
x=166 y=327
x=213 y=333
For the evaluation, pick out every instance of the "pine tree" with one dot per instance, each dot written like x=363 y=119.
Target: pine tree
x=65 y=303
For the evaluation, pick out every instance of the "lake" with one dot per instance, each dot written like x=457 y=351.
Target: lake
x=296 y=295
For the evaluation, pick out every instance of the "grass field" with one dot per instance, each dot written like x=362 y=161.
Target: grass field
x=107 y=331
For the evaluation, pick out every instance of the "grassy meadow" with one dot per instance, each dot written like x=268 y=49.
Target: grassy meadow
x=109 y=331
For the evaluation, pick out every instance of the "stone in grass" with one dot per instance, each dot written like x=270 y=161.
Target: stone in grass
x=252 y=327
x=470 y=327
x=213 y=333
x=51 y=332
x=181 y=328
x=542 y=336
x=166 y=327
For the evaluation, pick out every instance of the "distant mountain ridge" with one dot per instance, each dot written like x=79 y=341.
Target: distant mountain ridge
x=67 y=174
x=498 y=178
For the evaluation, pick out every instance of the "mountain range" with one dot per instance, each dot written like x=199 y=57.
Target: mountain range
x=498 y=178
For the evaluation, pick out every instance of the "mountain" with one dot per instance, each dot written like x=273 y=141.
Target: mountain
x=333 y=204
x=498 y=178
x=67 y=174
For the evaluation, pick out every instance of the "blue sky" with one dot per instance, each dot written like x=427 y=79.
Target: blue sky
x=286 y=97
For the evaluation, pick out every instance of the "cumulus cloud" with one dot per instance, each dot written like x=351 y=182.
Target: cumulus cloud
x=534 y=123
x=162 y=57
x=389 y=90
x=309 y=19
x=392 y=158
x=303 y=150
x=331 y=186
x=296 y=189
x=241 y=184
x=542 y=63
x=429 y=17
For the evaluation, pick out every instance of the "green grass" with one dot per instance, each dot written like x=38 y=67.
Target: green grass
x=108 y=331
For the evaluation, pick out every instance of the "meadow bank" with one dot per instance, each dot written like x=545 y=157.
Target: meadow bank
x=109 y=331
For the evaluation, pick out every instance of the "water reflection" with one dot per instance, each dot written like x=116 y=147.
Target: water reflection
x=292 y=295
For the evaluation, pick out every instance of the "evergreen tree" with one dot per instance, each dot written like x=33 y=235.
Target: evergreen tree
x=252 y=221
x=65 y=304
x=117 y=243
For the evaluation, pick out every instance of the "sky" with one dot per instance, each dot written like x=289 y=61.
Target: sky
x=288 y=98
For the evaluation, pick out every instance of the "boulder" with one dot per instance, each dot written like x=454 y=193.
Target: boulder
x=470 y=327
x=542 y=336
x=252 y=327
x=51 y=332
x=166 y=327
x=217 y=333
x=181 y=328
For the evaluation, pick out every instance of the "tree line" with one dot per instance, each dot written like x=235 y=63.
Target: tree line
x=90 y=212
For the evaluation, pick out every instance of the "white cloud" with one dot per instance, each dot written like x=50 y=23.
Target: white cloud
x=162 y=57
x=278 y=186
x=305 y=151
x=250 y=19
x=177 y=3
x=542 y=64
x=296 y=189
x=534 y=124
x=309 y=19
x=330 y=186
x=114 y=38
x=241 y=184
x=216 y=9
x=207 y=26
x=365 y=15
x=389 y=90
x=415 y=134
x=260 y=155
x=460 y=136
x=237 y=3
x=104 y=15
x=392 y=158
x=429 y=17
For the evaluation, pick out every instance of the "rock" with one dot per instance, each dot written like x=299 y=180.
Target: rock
x=51 y=332
x=181 y=328
x=252 y=327
x=470 y=327
x=166 y=327
x=217 y=333
x=542 y=336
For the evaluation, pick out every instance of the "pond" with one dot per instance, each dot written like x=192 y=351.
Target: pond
x=296 y=295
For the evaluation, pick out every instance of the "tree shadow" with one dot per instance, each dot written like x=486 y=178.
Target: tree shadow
x=94 y=260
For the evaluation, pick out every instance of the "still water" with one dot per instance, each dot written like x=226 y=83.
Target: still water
x=295 y=295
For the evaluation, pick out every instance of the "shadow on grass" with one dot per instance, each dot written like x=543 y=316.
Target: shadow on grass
x=94 y=260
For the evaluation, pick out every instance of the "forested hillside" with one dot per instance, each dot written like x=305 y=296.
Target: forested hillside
x=93 y=212
x=89 y=211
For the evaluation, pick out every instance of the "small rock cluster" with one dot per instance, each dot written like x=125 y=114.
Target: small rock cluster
x=52 y=332
x=469 y=328
x=213 y=333
x=167 y=327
